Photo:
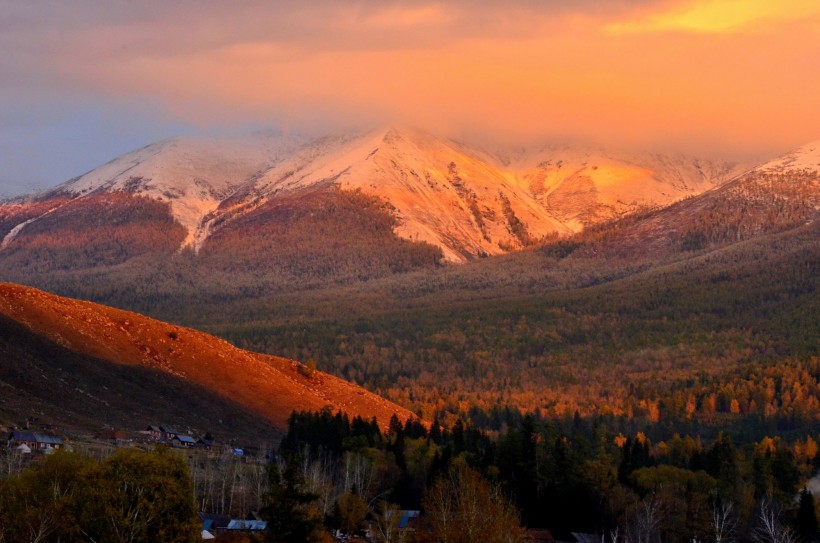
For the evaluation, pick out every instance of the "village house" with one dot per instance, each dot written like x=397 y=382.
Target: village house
x=181 y=440
x=247 y=526
x=155 y=432
x=35 y=441
x=167 y=433
x=205 y=443
x=170 y=436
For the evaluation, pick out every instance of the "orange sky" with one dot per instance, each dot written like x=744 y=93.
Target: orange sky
x=723 y=75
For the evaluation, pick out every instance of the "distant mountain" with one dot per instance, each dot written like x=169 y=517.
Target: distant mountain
x=779 y=195
x=81 y=364
x=465 y=200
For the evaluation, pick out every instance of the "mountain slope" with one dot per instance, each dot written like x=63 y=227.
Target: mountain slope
x=781 y=194
x=194 y=176
x=585 y=186
x=460 y=198
x=265 y=386
x=46 y=384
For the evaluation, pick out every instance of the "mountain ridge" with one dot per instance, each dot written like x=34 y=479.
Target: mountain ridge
x=466 y=200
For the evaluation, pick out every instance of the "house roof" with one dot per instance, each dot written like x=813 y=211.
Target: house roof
x=214 y=521
x=406 y=517
x=581 y=537
x=36 y=437
x=251 y=525
x=185 y=439
x=153 y=428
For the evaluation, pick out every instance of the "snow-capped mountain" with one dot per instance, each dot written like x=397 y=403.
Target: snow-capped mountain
x=467 y=201
x=584 y=186
x=805 y=158
x=779 y=195
x=441 y=193
x=193 y=175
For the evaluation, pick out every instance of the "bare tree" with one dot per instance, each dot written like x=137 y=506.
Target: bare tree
x=385 y=524
x=646 y=522
x=723 y=520
x=463 y=507
x=12 y=462
x=771 y=527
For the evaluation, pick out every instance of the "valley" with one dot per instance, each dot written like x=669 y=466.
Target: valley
x=299 y=264
x=574 y=363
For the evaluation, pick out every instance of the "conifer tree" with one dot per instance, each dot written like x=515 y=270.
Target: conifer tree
x=291 y=519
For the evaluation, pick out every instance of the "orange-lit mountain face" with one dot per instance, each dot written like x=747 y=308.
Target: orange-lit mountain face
x=779 y=195
x=198 y=366
x=466 y=201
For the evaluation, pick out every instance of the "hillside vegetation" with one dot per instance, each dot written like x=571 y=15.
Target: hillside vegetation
x=726 y=336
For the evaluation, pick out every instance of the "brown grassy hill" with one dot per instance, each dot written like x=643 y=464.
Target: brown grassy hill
x=46 y=385
x=266 y=386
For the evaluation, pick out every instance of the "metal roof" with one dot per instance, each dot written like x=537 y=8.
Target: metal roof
x=252 y=525
x=36 y=437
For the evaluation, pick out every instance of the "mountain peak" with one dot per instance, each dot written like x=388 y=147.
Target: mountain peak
x=468 y=201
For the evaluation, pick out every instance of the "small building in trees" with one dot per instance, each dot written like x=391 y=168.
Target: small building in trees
x=205 y=442
x=247 y=526
x=214 y=523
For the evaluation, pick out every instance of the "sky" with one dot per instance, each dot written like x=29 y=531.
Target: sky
x=82 y=82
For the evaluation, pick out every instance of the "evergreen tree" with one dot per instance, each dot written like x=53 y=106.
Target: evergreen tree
x=291 y=519
x=807 y=525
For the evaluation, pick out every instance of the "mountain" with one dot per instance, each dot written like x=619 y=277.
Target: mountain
x=463 y=199
x=77 y=361
x=779 y=195
x=584 y=186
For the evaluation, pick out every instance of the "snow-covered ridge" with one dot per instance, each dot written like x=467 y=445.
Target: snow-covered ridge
x=806 y=157
x=194 y=176
x=466 y=200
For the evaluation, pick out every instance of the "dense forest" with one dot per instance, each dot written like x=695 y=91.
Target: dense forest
x=573 y=476
x=336 y=473
x=728 y=338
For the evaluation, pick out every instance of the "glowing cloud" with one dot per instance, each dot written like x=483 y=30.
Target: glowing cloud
x=718 y=16
x=693 y=74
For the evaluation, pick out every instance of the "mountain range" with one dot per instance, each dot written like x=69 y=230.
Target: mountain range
x=399 y=260
x=465 y=200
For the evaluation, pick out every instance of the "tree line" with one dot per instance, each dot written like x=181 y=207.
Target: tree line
x=576 y=476
x=333 y=472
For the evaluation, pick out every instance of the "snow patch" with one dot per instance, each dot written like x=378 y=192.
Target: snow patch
x=14 y=232
x=806 y=157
